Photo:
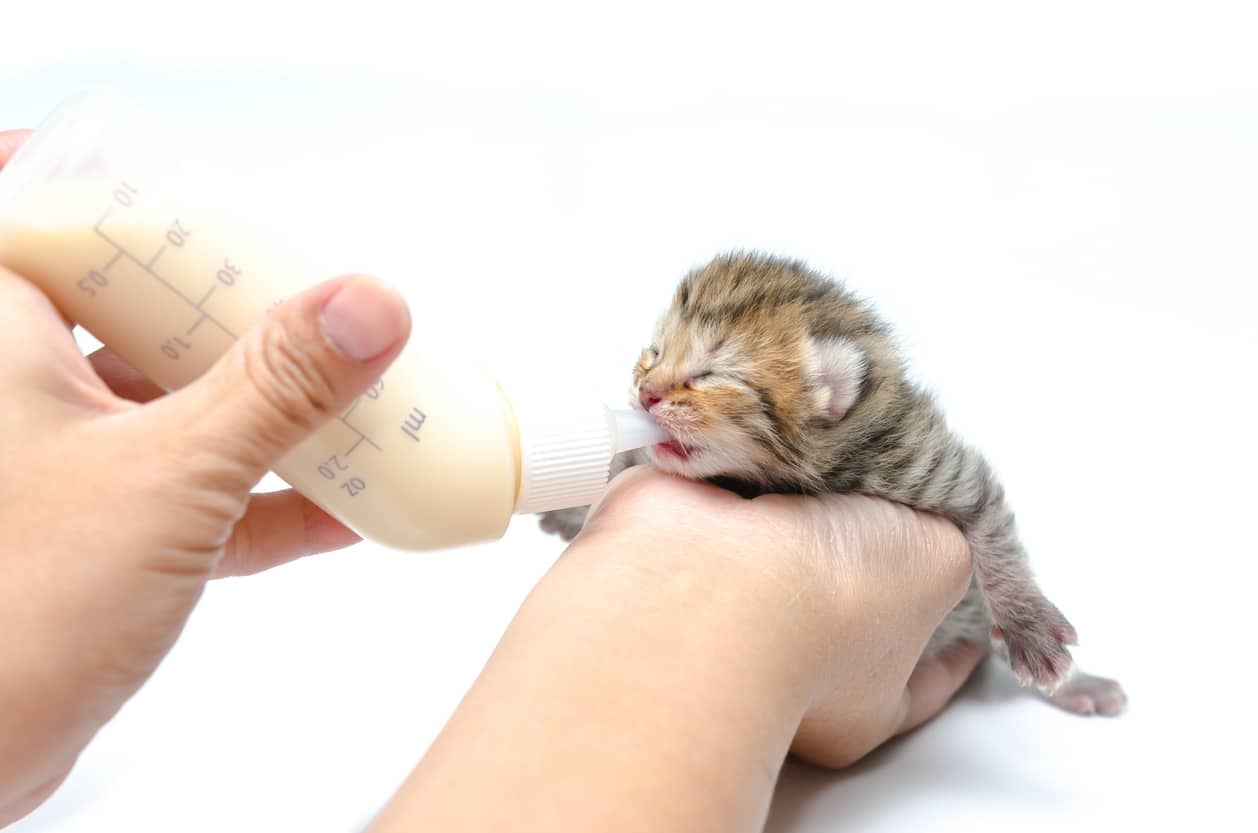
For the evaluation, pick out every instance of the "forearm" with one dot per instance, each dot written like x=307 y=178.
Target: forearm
x=644 y=685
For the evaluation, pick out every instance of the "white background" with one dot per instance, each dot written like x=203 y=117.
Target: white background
x=1055 y=202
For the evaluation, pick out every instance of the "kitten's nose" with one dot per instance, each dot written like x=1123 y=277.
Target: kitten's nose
x=649 y=396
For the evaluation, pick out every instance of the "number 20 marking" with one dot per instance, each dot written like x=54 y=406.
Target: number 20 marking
x=332 y=466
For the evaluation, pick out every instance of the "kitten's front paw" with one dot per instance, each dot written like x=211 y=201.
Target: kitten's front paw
x=565 y=523
x=1034 y=636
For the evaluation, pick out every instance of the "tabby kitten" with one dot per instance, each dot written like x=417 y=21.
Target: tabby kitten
x=773 y=378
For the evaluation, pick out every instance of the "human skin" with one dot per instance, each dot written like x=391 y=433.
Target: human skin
x=119 y=503
x=657 y=676
x=114 y=514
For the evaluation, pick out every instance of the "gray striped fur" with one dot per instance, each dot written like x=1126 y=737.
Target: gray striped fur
x=761 y=326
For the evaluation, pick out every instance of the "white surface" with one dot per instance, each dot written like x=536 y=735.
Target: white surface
x=1057 y=207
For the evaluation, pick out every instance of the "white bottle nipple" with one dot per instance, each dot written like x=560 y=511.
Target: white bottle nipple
x=634 y=429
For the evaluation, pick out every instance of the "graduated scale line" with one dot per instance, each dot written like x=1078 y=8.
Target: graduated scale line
x=362 y=438
x=120 y=252
x=147 y=267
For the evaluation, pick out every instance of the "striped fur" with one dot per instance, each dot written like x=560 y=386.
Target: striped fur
x=773 y=378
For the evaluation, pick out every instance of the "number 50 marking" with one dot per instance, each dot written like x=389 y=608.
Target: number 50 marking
x=93 y=281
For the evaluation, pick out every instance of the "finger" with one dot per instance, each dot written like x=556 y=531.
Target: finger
x=935 y=681
x=123 y=379
x=898 y=555
x=10 y=141
x=25 y=804
x=277 y=528
x=305 y=363
x=644 y=500
x=32 y=331
x=943 y=571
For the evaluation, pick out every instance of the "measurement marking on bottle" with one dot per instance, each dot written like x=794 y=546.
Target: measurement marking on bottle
x=413 y=422
x=174 y=348
x=201 y=307
x=121 y=251
x=362 y=438
x=103 y=218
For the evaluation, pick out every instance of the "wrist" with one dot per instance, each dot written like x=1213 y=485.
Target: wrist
x=654 y=661
x=748 y=589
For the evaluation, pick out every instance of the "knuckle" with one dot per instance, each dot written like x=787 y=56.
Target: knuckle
x=956 y=548
x=834 y=745
x=238 y=550
x=291 y=381
x=946 y=539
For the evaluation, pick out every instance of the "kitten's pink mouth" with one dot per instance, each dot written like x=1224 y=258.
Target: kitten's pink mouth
x=676 y=449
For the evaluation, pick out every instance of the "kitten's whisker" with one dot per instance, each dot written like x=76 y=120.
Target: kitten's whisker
x=811 y=395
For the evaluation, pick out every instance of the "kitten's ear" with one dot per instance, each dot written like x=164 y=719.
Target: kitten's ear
x=836 y=367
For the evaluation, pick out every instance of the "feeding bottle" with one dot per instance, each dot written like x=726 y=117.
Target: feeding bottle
x=98 y=208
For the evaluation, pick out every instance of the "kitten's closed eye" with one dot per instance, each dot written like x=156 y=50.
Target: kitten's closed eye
x=772 y=378
x=650 y=355
x=745 y=366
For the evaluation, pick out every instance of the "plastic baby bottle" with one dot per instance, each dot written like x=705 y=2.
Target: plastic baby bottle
x=100 y=210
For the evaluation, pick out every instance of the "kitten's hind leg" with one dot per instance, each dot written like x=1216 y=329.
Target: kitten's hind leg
x=1080 y=693
x=1086 y=694
x=1032 y=631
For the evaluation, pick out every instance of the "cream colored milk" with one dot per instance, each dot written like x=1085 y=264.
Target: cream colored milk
x=425 y=459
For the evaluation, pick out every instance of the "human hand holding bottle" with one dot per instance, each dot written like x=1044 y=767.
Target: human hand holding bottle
x=118 y=503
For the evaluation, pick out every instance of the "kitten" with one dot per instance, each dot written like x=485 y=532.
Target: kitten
x=772 y=378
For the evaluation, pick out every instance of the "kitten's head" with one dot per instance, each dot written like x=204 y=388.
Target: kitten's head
x=755 y=369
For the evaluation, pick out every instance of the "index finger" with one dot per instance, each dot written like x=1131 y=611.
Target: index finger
x=934 y=681
x=123 y=379
x=279 y=527
x=10 y=141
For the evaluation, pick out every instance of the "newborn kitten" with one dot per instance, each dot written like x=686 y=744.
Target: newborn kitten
x=772 y=378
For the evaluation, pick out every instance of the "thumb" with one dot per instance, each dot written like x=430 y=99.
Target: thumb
x=301 y=366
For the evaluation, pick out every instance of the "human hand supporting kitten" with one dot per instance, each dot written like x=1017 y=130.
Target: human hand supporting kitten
x=772 y=378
